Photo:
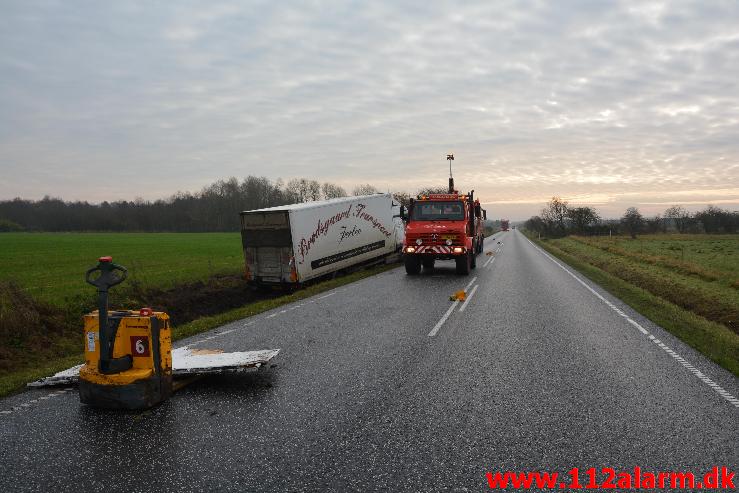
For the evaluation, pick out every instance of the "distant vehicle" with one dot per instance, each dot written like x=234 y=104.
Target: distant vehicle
x=291 y=244
x=504 y=224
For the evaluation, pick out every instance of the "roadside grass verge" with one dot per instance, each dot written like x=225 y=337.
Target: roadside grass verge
x=660 y=295
x=34 y=367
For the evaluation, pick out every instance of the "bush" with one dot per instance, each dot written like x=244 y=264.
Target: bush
x=7 y=226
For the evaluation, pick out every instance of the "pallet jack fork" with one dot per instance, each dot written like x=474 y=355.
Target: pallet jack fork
x=129 y=360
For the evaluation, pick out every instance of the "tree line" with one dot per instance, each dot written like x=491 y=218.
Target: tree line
x=559 y=219
x=214 y=208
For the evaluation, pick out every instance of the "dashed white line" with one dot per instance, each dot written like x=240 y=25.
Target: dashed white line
x=719 y=390
x=326 y=296
x=27 y=404
x=449 y=311
x=469 y=297
x=443 y=319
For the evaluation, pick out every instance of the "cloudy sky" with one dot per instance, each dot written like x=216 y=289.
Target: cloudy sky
x=610 y=104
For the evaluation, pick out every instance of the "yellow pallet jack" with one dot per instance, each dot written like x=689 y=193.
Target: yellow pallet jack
x=129 y=361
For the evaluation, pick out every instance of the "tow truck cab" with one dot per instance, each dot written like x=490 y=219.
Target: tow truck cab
x=443 y=227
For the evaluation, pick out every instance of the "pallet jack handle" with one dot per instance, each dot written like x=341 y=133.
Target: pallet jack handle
x=106 y=280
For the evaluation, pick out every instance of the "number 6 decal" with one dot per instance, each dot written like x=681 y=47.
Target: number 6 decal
x=139 y=346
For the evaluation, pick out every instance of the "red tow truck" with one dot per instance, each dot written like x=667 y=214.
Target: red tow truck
x=504 y=224
x=443 y=226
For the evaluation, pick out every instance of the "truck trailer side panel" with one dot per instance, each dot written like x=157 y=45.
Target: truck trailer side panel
x=324 y=237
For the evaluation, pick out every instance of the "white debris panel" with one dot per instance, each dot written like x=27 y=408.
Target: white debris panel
x=185 y=361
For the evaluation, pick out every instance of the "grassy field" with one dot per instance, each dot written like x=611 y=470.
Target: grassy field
x=195 y=277
x=688 y=284
x=51 y=266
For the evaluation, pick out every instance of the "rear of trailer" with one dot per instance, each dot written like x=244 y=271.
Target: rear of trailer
x=292 y=244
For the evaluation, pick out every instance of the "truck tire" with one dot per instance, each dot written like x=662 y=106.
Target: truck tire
x=412 y=264
x=428 y=263
x=464 y=263
x=473 y=262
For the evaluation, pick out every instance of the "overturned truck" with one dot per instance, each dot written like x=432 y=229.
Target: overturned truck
x=292 y=244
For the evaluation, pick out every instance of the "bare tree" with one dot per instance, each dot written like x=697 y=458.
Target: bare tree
x=366 y=189
x=679 y=215
x=633 y=221
x=717 y=220
x=432 y=190
x=554 y=215
x=582 y=217
x=304 y=190
x=331 y=191
x=403 y=198
x=535 y=224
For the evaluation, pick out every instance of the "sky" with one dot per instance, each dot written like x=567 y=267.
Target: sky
x=608 y=104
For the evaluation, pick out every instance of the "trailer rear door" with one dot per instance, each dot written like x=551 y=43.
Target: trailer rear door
x=267 y=244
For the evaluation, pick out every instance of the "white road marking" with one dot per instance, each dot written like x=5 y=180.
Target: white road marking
x=491 y=263
x=449 y=311
x=443 y=319
x=719 y=390
x=270 y=316
x=488 y=261
x=469 y=297
x=326 y=296
x=27 y=404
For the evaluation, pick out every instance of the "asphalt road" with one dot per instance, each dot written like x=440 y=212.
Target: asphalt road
x=535 y=372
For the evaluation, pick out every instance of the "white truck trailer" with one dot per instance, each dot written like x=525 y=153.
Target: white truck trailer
x=291 y=244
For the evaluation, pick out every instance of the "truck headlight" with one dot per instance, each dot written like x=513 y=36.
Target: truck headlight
x=458 y=250
x=419 y=241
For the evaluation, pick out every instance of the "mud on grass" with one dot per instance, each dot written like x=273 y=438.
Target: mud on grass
x=35 y=331
x=195 y=306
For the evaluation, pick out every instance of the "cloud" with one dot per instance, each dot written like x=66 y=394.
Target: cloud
x=536 y=99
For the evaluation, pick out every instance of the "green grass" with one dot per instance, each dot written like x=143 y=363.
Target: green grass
x=15 y=381
x=51 y=266
x=693 y=295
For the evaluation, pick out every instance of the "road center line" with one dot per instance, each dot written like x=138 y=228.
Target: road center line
x=717 y=388
x=449 y=311
x=443 y=319
x=469 y=297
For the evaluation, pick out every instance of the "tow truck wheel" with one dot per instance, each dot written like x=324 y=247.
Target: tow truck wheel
x=412 y=264
x=464 y=263
x=428 y=263
x=473 y=262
